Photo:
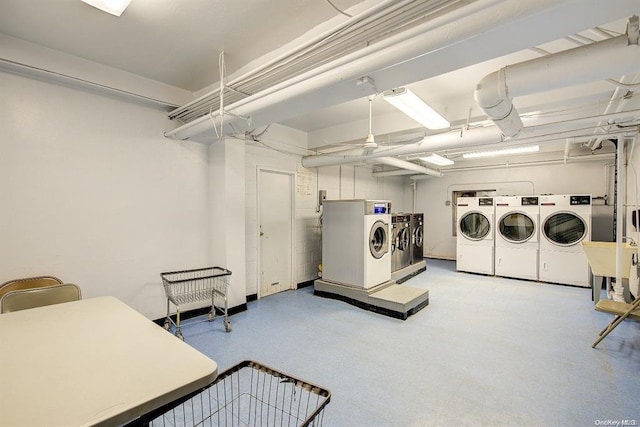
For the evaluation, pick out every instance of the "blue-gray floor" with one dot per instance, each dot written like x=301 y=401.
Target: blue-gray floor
x=486 y=351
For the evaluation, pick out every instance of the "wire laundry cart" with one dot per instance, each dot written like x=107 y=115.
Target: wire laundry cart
x=248 y=394
x=201 y=284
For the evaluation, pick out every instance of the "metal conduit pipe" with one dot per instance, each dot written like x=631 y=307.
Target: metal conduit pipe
x=403 y=164
x=395 y=172
x=596 y=61
x=618 y=288
x=283 y=56
x=469 y=138
x=617 y=103
x=575 y=159
x=384 y=54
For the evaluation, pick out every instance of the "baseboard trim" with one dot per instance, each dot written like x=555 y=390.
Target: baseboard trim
x=305 y=284
x=189 y=314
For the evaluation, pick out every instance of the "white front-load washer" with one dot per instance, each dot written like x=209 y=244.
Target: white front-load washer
x=565 y=222
x=475 y=240
x=517 y=237
x=356 y=242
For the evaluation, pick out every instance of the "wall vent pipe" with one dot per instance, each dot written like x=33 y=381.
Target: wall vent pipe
x=596 y=61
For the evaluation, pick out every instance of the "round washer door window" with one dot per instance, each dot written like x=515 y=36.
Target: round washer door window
x=565 y=228
x=378 y=244
x=418 y=236
x=474 y=226
x=403 y=239
x=516 y=227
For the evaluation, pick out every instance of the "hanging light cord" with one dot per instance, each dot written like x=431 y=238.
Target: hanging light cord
x=340 y=11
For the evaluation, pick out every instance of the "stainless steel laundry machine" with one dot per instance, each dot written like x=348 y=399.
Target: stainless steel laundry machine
x=356 y=242
x=400 y=241
x=417 y=237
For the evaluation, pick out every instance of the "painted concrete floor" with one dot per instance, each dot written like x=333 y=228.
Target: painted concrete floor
x=486 y=351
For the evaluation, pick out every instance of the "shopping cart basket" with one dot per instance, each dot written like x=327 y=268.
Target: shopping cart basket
x=188 y=286
x=248 y=394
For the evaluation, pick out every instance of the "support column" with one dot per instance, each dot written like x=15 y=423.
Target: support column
x=227 y=214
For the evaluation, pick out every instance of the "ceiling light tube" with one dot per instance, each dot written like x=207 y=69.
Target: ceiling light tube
x=502 y=152
x=114 y=7
x=437 y=160
x=411 y=105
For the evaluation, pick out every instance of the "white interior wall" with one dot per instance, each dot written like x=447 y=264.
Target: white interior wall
x=434 y=194
x=94 y=194
x=279 y=150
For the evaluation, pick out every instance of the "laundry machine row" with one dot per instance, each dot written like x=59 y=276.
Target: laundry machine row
x=407 y=240
x=526 y=237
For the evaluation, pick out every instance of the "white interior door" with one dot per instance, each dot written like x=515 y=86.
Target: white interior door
x=276 y=231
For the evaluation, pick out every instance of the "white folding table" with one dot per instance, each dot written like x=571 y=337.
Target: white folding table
x=88 y=362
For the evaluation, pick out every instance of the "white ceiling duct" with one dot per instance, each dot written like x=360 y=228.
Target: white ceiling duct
x=596 y=61
x=582 y=126
x=403 y=164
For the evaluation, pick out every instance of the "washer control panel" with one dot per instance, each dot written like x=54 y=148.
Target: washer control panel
x=374 y=207
x=580 y=200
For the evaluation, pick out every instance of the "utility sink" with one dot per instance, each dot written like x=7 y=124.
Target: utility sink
x=602 y=258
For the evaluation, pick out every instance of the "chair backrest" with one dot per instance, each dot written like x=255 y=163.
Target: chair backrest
x=38 y=297
x=28 y=283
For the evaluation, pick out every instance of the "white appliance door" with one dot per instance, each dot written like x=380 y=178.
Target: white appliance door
x=564 y=229
x=379 y=239
x=474 y=226
x=516 y=227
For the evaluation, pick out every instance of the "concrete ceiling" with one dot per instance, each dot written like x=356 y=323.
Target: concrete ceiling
x=178 y=43
x=172 y=41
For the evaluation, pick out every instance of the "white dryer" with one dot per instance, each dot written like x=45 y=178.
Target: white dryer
x=356 y=242
x=517 y=237
x=475 y=241
x=565 y=221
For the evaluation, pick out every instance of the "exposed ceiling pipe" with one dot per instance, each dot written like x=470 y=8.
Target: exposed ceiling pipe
x=469 y=138
x=48 y=75
x=403 y=164
x=395 y=172
x=574 y=159
x=351 y=68
x=617 y=103
x=398 y=60
x=596 y=61
x=567 y=146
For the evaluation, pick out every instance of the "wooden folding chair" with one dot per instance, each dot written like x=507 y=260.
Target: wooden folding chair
x=621 y=311
x=38 y=297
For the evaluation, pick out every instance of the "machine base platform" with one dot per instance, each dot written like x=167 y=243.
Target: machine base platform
x=404 y=274
x=389 y=299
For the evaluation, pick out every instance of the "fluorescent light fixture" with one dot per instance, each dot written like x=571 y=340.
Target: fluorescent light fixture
x=437 y=160
x=409 y=103
x=114 y=7
x=502 y=152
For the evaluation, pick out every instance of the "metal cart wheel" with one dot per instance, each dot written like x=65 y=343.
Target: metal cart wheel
x=227 y=326
x=167 y=324
x=211 y=316
x=179 y=335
